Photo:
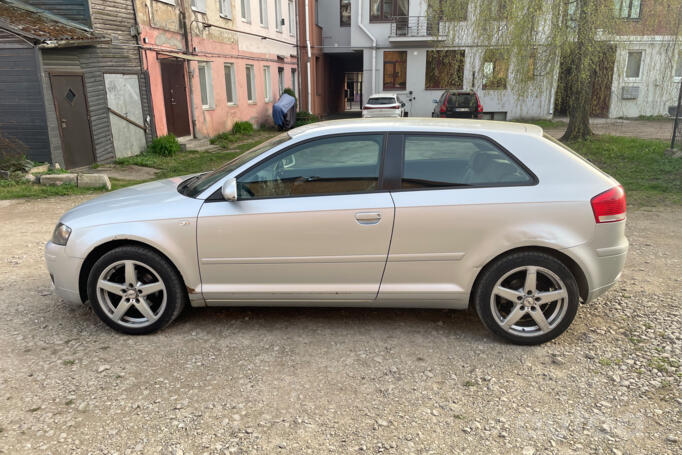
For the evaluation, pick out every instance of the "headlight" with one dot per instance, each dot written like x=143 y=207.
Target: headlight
x=61 y=234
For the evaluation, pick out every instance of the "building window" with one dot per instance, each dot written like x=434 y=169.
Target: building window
x=678 y=66
x=280 y=80
x=278 y=15
x=199 y=5
x=385 y=10
x=445 y=69
x=628 y=9
x=495 y=70
x=230 y=84
x=395 y=68
x=225 y=8
x=292 y=17
x=345 y=13
x=294 y=82
x=317 y=12
x=206 y=85
x=250 y=84
x=633 y=66
x=318 y=76
x=267 y=84
x=263 y=10
x=246 y=10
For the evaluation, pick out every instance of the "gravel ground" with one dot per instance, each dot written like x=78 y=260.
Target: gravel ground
x=339 y=381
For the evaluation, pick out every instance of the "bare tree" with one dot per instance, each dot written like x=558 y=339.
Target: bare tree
x=538 y=37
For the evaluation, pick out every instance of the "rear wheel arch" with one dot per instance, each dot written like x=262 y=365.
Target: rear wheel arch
x=573 y=266
x=104 y=248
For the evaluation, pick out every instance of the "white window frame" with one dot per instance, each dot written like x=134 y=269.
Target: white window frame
x=625 y=6
x=281 y=84
x=199 y=6
x=246 y=10
x=225 y=8
x=278 y=16
x=678 y=63
x=169 y=2
x=208 y=82
x=229 y=67
x=641 y=65
x=250 y=72
x=292 y=18
x=267 y=83
x=263 y=13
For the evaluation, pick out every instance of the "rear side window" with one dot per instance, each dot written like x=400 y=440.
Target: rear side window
x=433 y=161
x=382 y=100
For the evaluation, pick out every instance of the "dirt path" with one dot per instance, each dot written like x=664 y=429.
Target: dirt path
x=643 y=129
x=311 y=381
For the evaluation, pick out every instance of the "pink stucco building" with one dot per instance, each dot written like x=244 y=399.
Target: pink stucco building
x=214 y=62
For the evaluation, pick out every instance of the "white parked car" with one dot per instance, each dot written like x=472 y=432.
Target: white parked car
x=384 y=105
x=427 y=213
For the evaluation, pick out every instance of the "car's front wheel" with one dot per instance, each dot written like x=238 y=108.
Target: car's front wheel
x=527 y=297
x=135 y=290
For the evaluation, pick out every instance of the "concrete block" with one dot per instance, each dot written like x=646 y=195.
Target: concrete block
x=94 y=181
x=30 y=178
x=58 y=179
x=41 y=168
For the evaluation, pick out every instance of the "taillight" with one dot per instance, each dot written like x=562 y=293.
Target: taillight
x=444 y=108
x=610 y=205
x=480 y=106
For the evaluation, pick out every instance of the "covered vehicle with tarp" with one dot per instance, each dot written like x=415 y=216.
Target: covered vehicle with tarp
x=284 y=112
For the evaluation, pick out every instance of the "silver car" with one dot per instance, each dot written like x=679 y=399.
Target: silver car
x=425 y=213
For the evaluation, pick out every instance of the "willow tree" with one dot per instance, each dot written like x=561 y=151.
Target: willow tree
x=532 y=39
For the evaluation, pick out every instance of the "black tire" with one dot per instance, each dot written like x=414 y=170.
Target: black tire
x=491 y=275
x=176 y=293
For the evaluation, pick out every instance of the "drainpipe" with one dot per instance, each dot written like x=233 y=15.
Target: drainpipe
x=186 y=30
x=374 y=47
x=307 y=43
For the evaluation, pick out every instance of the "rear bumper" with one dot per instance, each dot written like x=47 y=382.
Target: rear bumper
x=381 y=114
x=64 y=271
x=602 y=266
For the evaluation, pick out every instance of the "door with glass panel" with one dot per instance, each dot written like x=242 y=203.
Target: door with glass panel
x=310 y=223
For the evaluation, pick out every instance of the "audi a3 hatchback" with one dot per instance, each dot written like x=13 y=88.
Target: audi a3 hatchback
x=420 y=213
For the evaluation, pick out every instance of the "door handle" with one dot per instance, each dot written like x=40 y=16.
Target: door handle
x=368 y=217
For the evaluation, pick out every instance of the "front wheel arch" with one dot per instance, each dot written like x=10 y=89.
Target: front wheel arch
x=573 y=266
x=103 y=249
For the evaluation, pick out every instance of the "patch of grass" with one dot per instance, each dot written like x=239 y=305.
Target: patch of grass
x=164 y=145
x=634 y=340
x=663 y=363
x=68 y=402
x=469 y=383
x=546 y=123
x=649 y=176
x=654 y=117
x=68 y=362
x=33 y=191
x=605 y=362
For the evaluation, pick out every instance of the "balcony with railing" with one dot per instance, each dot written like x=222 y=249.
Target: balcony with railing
x=416 y=28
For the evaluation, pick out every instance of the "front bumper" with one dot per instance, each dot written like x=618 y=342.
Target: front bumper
x=64 y=271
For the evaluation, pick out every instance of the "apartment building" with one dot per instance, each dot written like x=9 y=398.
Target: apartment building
x=214 y=62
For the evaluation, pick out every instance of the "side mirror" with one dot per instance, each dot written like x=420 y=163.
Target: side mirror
x=434 y=101
x=230 y=190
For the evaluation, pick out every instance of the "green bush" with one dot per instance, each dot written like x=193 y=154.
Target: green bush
x=164 y=146
x=304 y=117
x=12 y=155
x=289 y=92
x=244 y=128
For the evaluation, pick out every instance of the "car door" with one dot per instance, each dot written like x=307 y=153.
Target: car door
x=451 y=194
x=310 y=224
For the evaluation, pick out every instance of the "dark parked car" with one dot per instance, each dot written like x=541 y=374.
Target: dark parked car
x=457 y=104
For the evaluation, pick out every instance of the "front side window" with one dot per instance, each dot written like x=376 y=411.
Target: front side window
x=385 y=10
x=250 y=84
x=633 y=66
x=627 y=9
x=395 y=70
x=445 y=69
x=206 y=85
x=345 y=13
x=332 y=165
x=433 y=161
x=495 y=70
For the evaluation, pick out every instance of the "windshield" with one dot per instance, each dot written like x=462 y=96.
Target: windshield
x=381 y=101
x=196 y=185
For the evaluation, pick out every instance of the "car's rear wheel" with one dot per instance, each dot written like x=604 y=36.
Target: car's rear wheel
x=135 y=290
x=527 y=297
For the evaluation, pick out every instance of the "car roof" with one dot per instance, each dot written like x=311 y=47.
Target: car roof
x=414 y=124
x=384 y=95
